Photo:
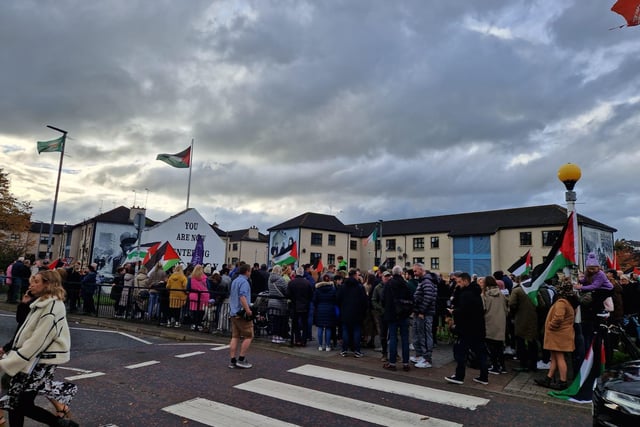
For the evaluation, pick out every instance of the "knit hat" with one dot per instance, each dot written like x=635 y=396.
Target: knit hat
x=592 y=261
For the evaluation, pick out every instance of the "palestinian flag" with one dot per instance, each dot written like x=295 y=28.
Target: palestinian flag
x=522 y=266
x=613 y=264
x=178 y=160
x=372 y=237
x=165 y=254
x=55 y=264
x=581 y=389
x=317 y=265
x=288 y=257
x=561 y=255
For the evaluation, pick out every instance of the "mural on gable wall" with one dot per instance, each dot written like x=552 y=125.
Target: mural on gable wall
x=283 y=246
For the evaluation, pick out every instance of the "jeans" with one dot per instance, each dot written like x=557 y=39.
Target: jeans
x=423 y=336
x=461 y=350
x=153 y=303
x=403 y=325
x=299 y=326
x=351 y=331
x=324 y=337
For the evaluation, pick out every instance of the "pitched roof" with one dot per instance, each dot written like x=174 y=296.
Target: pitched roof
x=119 y=215
x=478 y=223
x=42 y=227
x=242 y=235
x=314 y=221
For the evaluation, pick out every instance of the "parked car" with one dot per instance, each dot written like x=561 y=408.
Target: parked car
x=616 y=396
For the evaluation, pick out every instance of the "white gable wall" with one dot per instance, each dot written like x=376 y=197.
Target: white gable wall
x=182 y=232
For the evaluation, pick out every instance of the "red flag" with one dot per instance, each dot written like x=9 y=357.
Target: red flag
x=54 y=264
x=629 y=9
x=613 y=264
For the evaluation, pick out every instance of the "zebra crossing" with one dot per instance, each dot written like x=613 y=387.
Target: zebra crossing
x=212 y=413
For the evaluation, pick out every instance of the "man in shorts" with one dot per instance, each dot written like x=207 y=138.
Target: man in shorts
x=240 y=298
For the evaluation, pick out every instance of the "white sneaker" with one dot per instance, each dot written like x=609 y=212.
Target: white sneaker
x=243 y=364
x=423 y=364
x=541 y=365
x=509 y=351
x=411 y=347
x=320 y=348
x=415 y=359
x=328 y=348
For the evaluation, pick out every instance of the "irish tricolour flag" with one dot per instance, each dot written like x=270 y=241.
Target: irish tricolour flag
x=561 y=255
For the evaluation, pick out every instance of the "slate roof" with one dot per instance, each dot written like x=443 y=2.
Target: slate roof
x=478 y=223
x=57 y=228
x=314 y=221
x=119 y=215
x=241 y=235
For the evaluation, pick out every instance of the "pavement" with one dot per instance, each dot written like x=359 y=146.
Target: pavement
x=520 y=384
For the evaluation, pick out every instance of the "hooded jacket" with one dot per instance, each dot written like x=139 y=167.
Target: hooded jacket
x=425 y=296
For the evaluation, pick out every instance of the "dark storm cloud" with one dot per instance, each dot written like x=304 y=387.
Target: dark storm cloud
x=372 y=109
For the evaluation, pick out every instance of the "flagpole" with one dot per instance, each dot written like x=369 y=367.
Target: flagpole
x=190 y=166
x=55 y=199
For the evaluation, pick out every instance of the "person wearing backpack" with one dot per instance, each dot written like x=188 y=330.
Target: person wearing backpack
x=546 y=297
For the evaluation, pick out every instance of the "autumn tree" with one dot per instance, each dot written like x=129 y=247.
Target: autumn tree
x=15 y=219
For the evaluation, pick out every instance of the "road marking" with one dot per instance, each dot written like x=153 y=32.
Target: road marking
x=114 y=332
x=142 y=365
x=458 y=400
x=222 y=347
x=217 y=414
x=135 y=338
x=83 y=376
x=365 y=411
x=189 y=343
x=182 y=356
x=72 y=369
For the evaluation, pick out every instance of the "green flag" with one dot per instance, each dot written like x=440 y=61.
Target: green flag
x=50 y=146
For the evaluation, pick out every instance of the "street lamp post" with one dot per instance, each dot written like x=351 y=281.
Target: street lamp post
x=569 y=174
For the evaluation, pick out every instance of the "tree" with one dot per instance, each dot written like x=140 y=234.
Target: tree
x=15 y=220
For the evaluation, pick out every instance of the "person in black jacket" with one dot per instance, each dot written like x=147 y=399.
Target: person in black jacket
x=398 y=306
x=469 y=325
x=300 y=292
x=352 y=300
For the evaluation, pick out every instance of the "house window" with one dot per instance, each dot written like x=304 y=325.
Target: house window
x=234 y=247
x=550 y=237
x=435 y=242
x=525 y=238
x=45 y=239
x=435 y=263
x=419 y=259
x=418 y=243
x=353 y=245
x=378 y=245
x=331 y=258
x=331 y=240
x=353 y=263
x=313 y=256
x=391 y=244
x=316 y=239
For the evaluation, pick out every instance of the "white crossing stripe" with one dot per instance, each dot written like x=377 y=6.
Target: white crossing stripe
x=217 y=414
x=395 y=387
x=222 y=347
x=182 y=356
x=142 y=365
x=83 y=376
x=365 y=411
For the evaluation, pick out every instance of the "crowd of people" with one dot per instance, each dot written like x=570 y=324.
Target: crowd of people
x=398 y=311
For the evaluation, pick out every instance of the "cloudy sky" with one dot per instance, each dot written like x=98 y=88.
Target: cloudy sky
x=362 y=109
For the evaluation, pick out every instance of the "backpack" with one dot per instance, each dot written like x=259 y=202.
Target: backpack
x=546 y=298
